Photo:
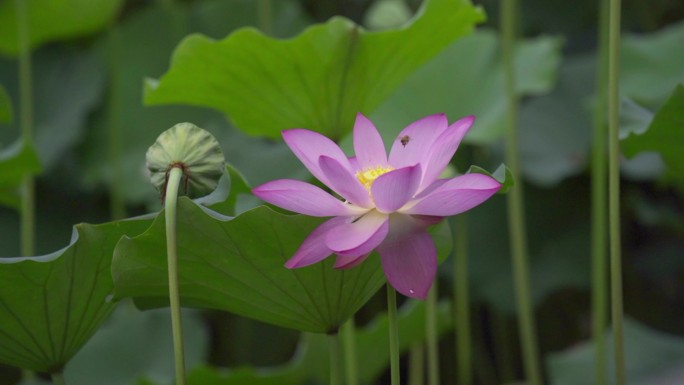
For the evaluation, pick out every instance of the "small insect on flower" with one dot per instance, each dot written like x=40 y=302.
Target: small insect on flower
x=405 y=140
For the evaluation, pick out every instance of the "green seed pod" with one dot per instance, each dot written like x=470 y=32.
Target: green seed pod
x=193 y=150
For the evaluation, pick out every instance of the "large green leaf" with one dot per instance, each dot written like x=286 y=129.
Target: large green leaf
x=16 y=161
x=237 y=265
x=51 y=20
x=51 y=305
x=665 y=135
x=467 y=79
x=5 y=106
x=652 y=357
x=317 y=80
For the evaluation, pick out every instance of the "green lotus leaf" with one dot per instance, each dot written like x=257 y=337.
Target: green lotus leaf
x=51 y=305
x=318 y=80
x=236 y=264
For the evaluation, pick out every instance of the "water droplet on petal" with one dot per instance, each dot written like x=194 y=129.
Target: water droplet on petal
x=411 y=291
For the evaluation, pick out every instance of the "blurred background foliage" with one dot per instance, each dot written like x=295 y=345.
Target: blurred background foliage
x=89 y=68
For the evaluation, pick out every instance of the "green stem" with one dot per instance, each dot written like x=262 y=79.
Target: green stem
x=265 y=16
x=461 y=299
x=171 y=199
x=599 y=285
x=117 y=206
x=393 y=334
x=28 y=227
x=431 y=336
x=614 y=188
x=350 y=357
x=416 y=364
x=516 y=220
x=58 y=378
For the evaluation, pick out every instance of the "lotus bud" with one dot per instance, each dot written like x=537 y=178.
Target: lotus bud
x=193 y=150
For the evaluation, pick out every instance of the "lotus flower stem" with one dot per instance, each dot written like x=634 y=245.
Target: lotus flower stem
x=599 y=286
x=416 y=364
x=431 y=336
x=393 y=335
x=335 y=359
x=516 y=213
x=614 y=188
x=461 y=299
x=175 y=176
x=350 y=356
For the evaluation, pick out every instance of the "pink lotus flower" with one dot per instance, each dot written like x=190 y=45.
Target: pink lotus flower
x=386 y=203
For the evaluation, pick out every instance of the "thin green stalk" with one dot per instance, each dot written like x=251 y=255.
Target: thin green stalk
x=432 y=341
x=417 y=365
x=28 y=209
x=599 y=292
x=335 y=359
x=117 y=206
x=171 y=199
x=461 y=299
x=614 y=188
x=58 y=378
x=350 y=356
x=393 y=334
x=516 y=219
x=265 y=16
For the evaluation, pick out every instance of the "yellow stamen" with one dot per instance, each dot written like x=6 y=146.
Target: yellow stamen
x=368 y=175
